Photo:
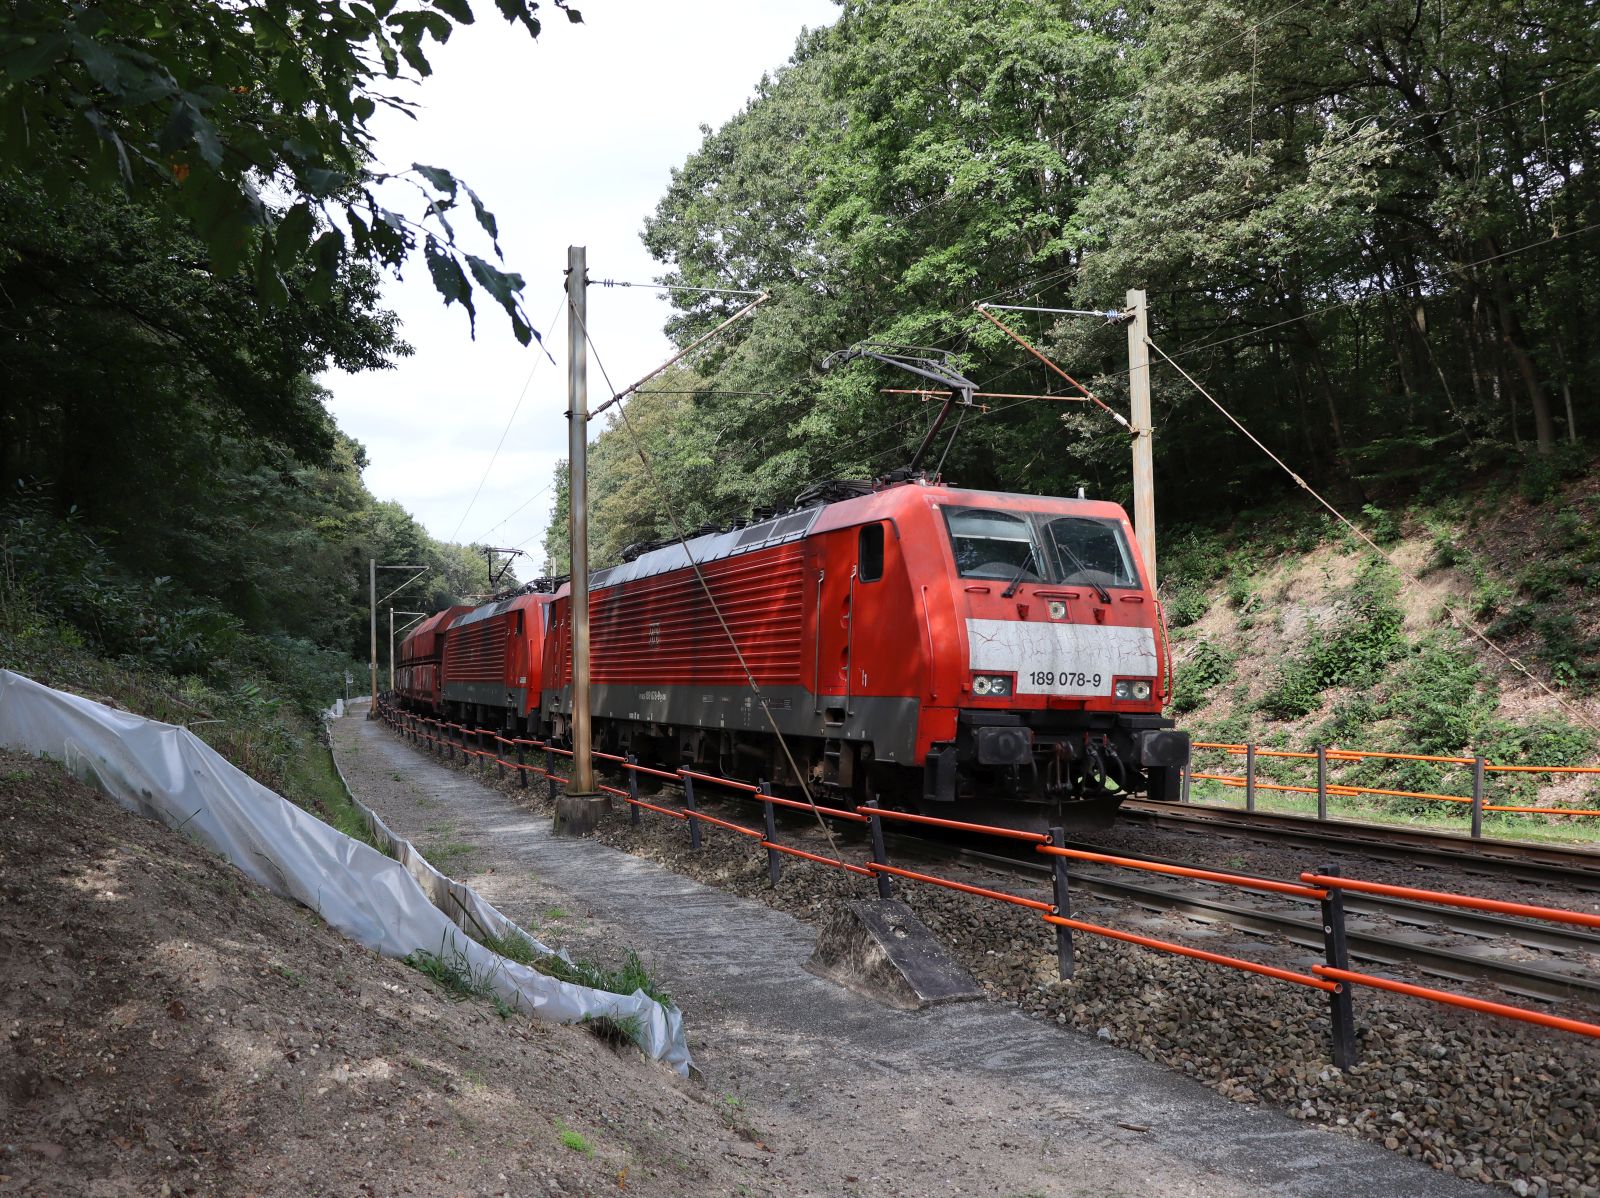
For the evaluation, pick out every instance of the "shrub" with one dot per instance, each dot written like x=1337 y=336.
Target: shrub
x=1188 y=602
x=1355 y=651
x=1382 y=526
x=1206 y=667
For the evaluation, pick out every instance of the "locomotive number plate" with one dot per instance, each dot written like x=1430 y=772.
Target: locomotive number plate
x=1061 y=659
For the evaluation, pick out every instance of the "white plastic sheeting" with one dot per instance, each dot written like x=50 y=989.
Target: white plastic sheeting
x=394 y=905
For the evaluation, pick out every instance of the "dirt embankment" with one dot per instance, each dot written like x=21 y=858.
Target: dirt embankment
x=168 y=1028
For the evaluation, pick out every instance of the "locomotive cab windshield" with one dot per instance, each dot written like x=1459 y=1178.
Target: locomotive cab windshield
x=1040 y=547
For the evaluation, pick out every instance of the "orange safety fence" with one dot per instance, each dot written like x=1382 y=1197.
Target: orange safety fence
x=965 y=888
x=1199 y=954
x=1345 y=790
x=1333 y=754
x=725 y=823
x=1499 y=906
x=1459 y=1000
x=730 y=783
x=837 y=864
x=1348 y=790
x=1313 y=886
x=1183 y=871
x=959 y=826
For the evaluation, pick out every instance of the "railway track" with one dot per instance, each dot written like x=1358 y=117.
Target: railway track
x=1389 y=932
x=1546 y=962
x=1559 y=964
x=1578 y=869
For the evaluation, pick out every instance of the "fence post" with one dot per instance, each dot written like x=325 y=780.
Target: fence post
x=550 y=771
x=1477 y=797
x=499 y=765
x=688 y=803
x=633 y=790
x=1188 y=769
x=1322 y=782
x=774 y=866
x=522 y=765
x=1063 y=902
x=1249 y=777
x=879 y=855
x=1338 y=957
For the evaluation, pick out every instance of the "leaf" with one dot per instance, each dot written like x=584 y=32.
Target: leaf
x=326 y=254
x=458 y=10
x=269 y=283
x=441 y=179
x=320 y=181
x=485 y=220
x=30 y=57
x=506 y=287
x=100 y=61
x=448 y=279
x=576 y=18
x=293 y=233
x=518 y=13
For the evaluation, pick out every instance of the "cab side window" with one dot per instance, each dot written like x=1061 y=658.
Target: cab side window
x=870 y=555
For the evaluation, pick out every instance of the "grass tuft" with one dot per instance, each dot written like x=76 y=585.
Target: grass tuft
x=574 y=1140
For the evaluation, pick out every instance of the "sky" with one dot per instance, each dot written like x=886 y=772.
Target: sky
x=569 y=140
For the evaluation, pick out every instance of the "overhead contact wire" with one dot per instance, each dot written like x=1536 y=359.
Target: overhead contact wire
x=515 y=408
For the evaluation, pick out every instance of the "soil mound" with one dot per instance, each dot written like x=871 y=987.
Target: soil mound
x=167 y=1027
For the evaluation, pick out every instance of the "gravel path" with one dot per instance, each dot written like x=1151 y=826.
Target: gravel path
x=974 y=1099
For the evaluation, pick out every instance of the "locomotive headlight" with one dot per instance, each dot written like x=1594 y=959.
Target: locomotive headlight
x=990 y=684
x=1058 y=610
x=1136 y=689
x=980 y=684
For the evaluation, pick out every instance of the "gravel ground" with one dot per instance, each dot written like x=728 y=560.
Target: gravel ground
x=1473 y=1096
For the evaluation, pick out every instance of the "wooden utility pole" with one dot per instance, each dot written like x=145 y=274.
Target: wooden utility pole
x=579 y=808
x=372 y=595
x=1144 y=470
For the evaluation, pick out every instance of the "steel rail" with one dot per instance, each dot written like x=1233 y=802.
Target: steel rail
x=1525 y=979
x=1576 y=868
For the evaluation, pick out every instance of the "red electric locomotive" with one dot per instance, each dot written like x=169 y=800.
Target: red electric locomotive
x=925 y=643
x=416 y=675
x=493 y=662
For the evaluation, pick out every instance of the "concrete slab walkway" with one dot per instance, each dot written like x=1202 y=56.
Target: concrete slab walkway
x=968 y=1099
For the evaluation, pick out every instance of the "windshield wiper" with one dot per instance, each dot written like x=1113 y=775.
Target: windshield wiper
x=1016 y=582
x=1077 y=564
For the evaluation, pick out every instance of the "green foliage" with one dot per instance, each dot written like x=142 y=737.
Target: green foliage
x=1207 y=666
x=629 y=978
x=1354 y=651
x=1441 y=697
x=922 y=156
x=252 y=123
x=1187 y=603
x=451 y=970
x=575 y=1140
x=1382 y=526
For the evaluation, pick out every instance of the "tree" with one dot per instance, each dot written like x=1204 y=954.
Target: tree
x=252 y=120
